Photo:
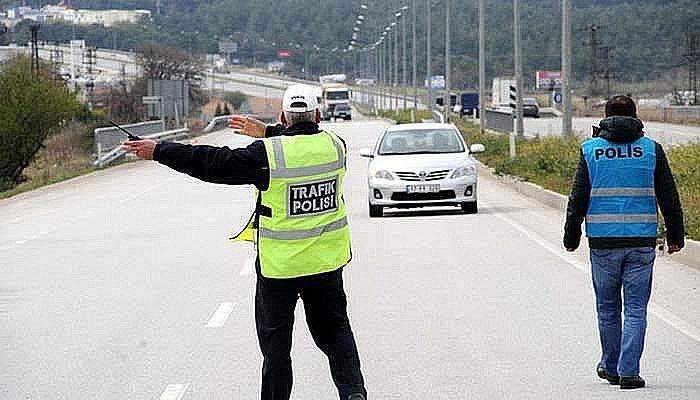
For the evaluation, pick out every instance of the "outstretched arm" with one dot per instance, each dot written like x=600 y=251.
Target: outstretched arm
x=211 y=164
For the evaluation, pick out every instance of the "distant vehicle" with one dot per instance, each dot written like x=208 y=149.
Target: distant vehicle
x=501 y=91
x=422 y=165
x=333 y=94
x=469 y=103
x=439 y=101
x=530 y=107
x=342 y=111
x=333 y=78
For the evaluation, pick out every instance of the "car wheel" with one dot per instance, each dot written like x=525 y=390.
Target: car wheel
x=375 y=211
x=470 y=207
x=348 y=119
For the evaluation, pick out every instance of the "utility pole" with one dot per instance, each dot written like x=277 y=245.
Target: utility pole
x=428 y=66
x=518 y=70
x=157 y=7
x=482 y=67
x=35 y=47
x=414 y=50
x=447 y=100
x=606 y=71
x=594 y=70
x=566 y=65
x=396 y=64
x=404 y=70
x=693 y=56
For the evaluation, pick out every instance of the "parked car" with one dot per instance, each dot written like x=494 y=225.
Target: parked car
x=422 y=165
x=530 y=107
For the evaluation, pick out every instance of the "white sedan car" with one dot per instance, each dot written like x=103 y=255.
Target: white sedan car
x=421 y=165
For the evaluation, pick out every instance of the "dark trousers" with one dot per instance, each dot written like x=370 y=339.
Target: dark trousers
x=326 y=314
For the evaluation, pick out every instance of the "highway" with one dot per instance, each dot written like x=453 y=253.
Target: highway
x=662 y=132
x=121 y=284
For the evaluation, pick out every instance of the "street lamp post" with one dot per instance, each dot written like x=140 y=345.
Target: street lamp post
x=415 y=59
x=447 y=100
x=396 y=63
x=566 y=65
x=482 y=67
x=404 y=71
x=428 y=62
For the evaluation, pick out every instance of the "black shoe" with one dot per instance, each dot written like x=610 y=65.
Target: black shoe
x=357 y=396
x=602 y=374
x=631 y=382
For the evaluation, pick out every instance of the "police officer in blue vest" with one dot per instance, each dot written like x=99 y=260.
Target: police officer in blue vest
x=621 y=180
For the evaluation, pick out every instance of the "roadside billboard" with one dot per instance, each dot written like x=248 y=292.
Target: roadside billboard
x=549 y=80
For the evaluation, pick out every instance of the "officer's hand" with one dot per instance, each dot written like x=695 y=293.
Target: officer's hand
x=570 y=249
x=674 y=248
x=247 y=126
x=141 y=148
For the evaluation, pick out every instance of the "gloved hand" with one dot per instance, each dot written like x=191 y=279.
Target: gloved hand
x=248 y=126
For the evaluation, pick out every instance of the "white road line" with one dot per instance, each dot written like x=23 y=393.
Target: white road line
x=150 y=189
x=249 y=265
x=175 y=391
x=21 y=242
x=218 y=319
x=663 y=314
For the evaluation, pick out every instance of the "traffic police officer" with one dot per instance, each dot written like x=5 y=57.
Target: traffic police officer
x=621 y=177
x=301 y=230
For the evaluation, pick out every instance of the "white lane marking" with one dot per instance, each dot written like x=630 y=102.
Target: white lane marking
x=218 y=319
x=21 y=242
x=249 y=264
x=663 y=314
x=175 y=391
x=150 y=189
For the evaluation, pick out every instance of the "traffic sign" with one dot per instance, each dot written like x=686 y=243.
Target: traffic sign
x=557 y=97
x=228 y=47
x=549 y=80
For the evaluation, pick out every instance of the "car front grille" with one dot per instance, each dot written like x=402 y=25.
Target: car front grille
x=441 y=195
x=430 y=176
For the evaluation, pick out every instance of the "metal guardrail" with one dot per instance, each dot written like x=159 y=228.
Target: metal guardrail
x=109 y=138
x=116 y=153
x=438 y=117
x=499 y=121
x=217 y=123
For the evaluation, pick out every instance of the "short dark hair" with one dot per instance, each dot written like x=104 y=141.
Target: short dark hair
x=621 y=106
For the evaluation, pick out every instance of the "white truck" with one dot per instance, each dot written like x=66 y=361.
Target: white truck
x=333 y=94
x=501 y=91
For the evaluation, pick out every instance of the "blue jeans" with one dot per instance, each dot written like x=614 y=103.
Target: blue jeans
x=628 y=271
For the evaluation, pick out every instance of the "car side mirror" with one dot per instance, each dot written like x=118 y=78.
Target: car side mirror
x=477 y=148
x=366 y=152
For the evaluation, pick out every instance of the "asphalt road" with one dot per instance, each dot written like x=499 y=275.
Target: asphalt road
x=662 y=132
x=122 y=285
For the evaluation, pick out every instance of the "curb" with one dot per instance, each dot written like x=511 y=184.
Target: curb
x=690 y=255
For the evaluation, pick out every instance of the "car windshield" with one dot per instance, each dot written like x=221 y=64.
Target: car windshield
x=530 y=102
x=337 y=95
x=423 y=141
x=342 y=107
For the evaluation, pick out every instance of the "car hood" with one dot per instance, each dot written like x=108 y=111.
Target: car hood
x=411 y=162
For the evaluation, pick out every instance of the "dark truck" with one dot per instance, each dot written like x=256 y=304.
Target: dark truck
x=469 y=103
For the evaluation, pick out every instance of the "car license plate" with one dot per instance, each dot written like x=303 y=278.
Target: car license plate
x=422 y=188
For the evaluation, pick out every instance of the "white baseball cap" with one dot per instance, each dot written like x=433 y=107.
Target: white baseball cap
x=299 y=98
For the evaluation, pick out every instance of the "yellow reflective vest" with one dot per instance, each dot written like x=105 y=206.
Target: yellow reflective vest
x=307 y=232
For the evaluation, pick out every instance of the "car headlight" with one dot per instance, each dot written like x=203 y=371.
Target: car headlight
x=384 y=174
x=467 y=170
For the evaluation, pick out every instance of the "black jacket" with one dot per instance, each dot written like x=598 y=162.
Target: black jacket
x=624 y=130
x=243 y=166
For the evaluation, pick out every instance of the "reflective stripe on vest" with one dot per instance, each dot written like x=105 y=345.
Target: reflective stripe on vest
x=308 y=231
x=623 y=199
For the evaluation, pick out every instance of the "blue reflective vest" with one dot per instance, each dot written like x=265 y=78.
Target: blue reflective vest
x=623 y=200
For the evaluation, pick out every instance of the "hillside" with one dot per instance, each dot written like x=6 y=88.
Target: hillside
x=647 y=37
